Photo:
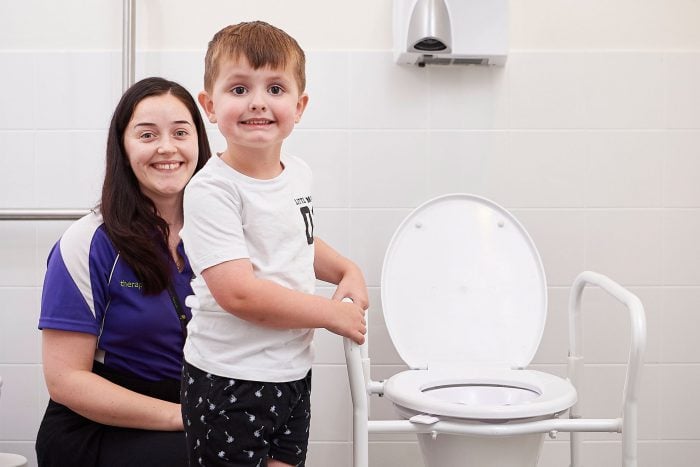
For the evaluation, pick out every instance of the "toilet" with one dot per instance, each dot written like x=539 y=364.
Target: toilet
x=464 y=297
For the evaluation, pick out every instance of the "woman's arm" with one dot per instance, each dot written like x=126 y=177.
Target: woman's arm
x=68 y=358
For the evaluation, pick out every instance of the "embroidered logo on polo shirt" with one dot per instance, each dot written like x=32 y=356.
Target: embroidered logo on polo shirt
x=131 y=285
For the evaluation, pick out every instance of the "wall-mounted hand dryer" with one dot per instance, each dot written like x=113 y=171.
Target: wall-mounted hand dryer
x=451 y=32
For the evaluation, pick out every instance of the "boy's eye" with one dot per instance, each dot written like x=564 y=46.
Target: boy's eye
x=275 y=90
x=239 y=90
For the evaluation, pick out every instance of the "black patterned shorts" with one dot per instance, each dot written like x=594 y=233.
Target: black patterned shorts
x=234 y=422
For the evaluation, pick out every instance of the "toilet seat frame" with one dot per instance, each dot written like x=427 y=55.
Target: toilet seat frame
x=362 y=386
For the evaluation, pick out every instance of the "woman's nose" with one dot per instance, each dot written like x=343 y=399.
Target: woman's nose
x=166 y=146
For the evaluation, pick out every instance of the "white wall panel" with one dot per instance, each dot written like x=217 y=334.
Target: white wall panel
x=590 y=134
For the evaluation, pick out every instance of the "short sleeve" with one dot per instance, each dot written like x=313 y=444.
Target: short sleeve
x=75 y=291
x=212 y=232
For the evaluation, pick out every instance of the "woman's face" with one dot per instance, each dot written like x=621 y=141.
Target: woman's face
x=161 y=144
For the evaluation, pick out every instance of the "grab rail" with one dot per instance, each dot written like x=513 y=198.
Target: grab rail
x=128 y=60
x=128 y=43
x=41 y=214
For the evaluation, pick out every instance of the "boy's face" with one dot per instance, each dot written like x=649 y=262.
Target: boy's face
x=254 y=109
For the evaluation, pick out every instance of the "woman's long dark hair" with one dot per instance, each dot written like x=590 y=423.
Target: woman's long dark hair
x=130 y=217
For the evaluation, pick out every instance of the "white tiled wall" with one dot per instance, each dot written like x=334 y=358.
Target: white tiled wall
x=596 y=152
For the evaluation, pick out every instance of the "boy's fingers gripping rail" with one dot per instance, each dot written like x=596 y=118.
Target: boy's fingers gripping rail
x=363 y=348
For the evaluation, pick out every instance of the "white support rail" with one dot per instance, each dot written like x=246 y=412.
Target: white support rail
x=361 y=386
x=554 y=425
x=360 y=404
x=635 y=361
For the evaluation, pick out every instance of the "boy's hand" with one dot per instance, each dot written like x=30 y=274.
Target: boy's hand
x=349 y=322
x=352 y=286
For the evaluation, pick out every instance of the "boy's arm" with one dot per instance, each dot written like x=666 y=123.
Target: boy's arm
x=235 y=287
x=331 y=266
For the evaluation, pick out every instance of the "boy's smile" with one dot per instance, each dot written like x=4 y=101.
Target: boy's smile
x=257 y=122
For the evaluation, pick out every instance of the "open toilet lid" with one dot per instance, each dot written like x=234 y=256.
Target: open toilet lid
x=462 y=282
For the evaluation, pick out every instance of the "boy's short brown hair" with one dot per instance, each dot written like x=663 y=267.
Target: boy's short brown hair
x=261 y=44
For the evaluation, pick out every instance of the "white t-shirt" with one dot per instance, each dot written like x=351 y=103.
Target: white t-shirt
x=231 y=216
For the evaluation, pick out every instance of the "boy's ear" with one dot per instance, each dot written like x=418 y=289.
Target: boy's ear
x=301 y=106
x=207 y=105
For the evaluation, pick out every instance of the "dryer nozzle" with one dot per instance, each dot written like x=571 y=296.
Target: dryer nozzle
x=429 y=28
x=430 y=45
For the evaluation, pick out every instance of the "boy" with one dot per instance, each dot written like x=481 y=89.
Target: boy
x=248 y=232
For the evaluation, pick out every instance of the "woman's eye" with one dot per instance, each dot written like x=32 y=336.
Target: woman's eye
x=239 y=90
x=147 y=135
x=181 y=133
x=276 y=90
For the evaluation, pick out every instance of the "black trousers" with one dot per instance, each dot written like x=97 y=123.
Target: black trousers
x=66 y=439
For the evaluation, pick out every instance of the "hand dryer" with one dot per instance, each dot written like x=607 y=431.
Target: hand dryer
x=450 y=32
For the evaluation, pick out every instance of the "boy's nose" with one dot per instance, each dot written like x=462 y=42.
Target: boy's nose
x=257 y=102
x=254 y=105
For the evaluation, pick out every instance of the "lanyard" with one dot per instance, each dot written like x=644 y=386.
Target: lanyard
x=179 y=310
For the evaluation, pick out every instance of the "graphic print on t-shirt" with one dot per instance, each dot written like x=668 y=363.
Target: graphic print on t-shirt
x=307 y=212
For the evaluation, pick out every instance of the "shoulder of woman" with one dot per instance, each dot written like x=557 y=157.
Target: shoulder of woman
x=83 y=230
x=84 y=238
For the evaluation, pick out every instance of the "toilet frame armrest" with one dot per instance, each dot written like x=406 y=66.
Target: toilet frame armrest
x=634 y=363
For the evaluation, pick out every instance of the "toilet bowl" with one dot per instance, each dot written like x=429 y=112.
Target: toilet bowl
x=464 y=297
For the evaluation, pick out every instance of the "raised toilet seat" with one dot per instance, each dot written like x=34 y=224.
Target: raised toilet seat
x=480 y=393
x=464 y=298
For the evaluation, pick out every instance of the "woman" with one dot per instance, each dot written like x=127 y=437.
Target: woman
x=112 y=314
